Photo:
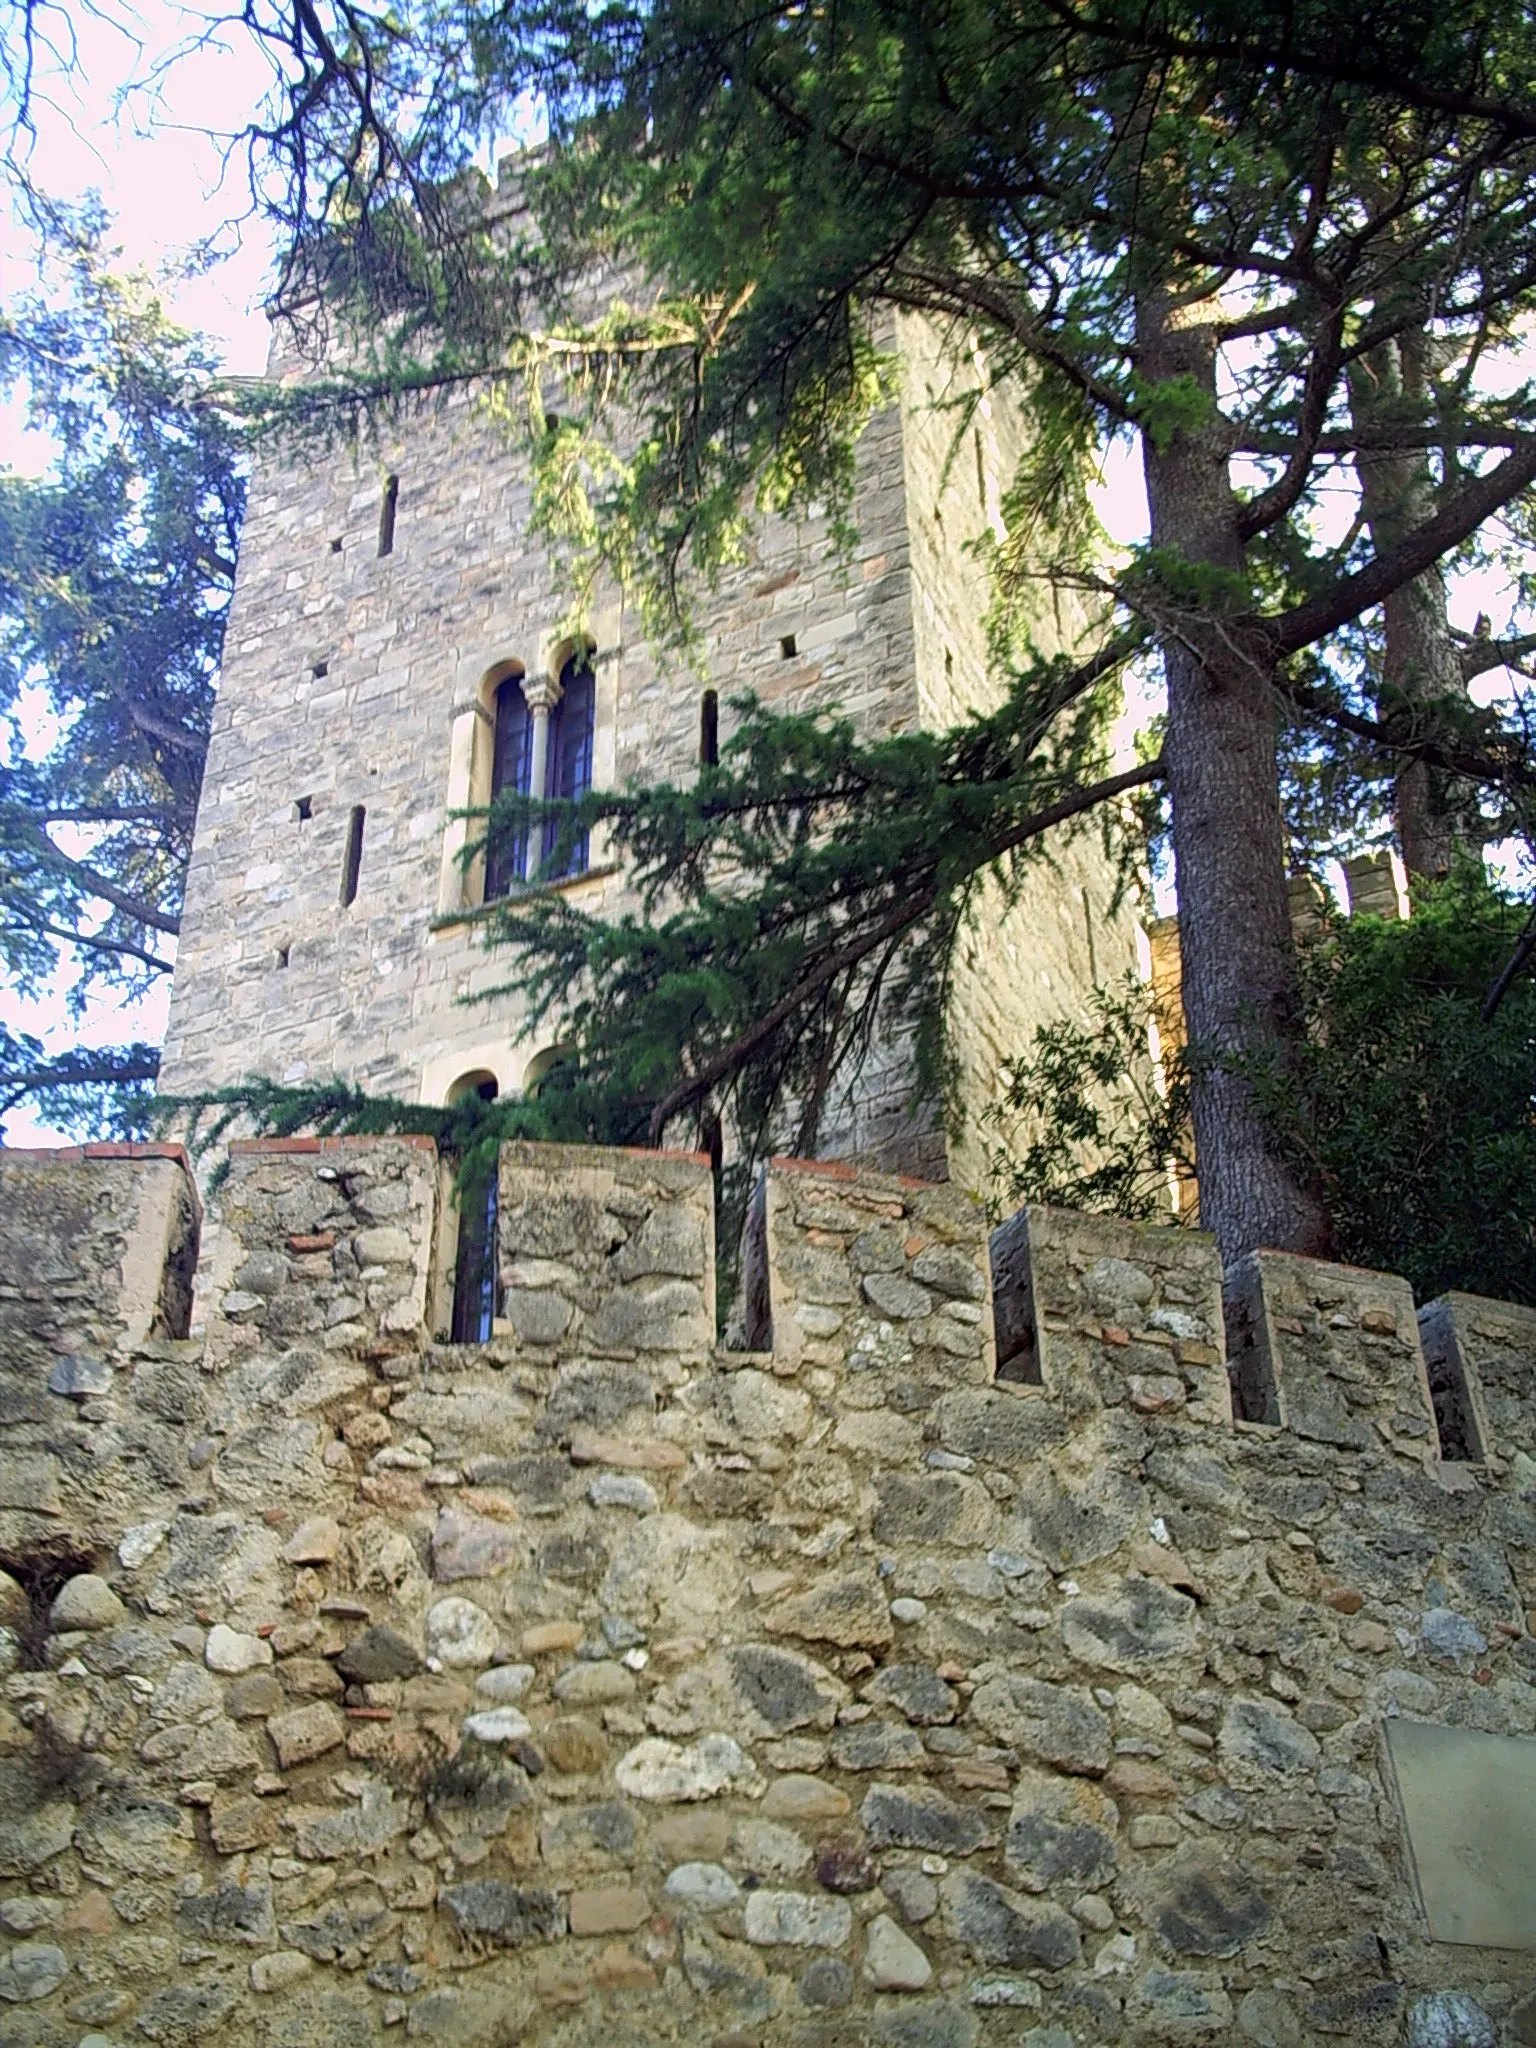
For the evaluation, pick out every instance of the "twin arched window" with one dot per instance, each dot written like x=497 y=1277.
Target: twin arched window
x=558 y=758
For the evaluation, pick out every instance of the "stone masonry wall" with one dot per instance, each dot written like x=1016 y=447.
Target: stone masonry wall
x=97 y=1247
x=952 y=1671
x=1035 y=951
x=350 y=679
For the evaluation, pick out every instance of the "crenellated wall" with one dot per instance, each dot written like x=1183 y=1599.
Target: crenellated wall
x=954 y=1669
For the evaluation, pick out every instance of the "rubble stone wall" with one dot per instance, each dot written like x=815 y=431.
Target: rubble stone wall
x=953 y=1670
x=354 y=681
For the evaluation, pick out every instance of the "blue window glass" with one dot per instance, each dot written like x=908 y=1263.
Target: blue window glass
x=570 y=751
x=511 y=765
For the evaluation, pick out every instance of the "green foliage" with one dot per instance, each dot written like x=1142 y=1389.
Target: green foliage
x=115 y=571
x=1416 y=1115
x=1088 y=1120
x=811 y=883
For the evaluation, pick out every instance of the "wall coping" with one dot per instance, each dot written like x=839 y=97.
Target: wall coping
x=290 y=1146
x=840 y=1169
x=425 y=1143
x=113 y=1148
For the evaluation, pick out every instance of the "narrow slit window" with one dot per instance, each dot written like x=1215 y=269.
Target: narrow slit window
x=280 y=958
x=303 y=809
x=320 y=671
x=387 y=515
x=1250 y=1369
x=756 y=1290
x=1450 y=1392
x=981 y=473
x=352 y=859
x=709 y=729
x=474 y=1276
x=1013 y=1305
x=336 y=545
x=787 y=648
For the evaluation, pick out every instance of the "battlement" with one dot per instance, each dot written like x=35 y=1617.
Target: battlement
x=1024 y=1634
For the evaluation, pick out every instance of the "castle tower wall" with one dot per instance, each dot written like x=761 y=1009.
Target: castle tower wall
x=897 y=1683
x=1033 y=951
x=352 y=679
x=354 y=701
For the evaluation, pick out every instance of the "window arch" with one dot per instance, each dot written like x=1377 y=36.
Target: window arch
x=542 y=1065
x=542 y=733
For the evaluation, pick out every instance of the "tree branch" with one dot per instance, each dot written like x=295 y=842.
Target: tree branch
x=842 y=958
x=925 y=291
x=1525 y=945
x=1420 y=549
x=1481 y=653
x=1272 y=505
x=139 y=908
x=1331 y=67
x=73 y=1070
x=115 y=948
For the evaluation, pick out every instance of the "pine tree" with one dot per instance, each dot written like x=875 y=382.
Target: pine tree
x=1197 y=226
x=116 y=566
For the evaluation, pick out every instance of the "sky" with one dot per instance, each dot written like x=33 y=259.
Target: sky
x=131 y=110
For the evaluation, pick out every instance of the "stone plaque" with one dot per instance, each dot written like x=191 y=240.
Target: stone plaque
x=1468 y=1803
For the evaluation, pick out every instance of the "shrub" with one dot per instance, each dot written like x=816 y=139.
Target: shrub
x=1414 y=1114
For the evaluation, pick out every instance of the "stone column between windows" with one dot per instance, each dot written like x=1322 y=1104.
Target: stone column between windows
x=541 y=694
x=470 y=733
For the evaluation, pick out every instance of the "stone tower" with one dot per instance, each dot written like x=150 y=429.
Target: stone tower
x=384 y=605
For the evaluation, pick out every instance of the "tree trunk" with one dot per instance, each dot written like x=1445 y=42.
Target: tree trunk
x=1223 y=781
x=1397 y=492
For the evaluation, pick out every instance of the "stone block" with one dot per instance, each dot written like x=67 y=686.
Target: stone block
x=1060 y=1831
x=504 y=1915
x=845 y=1609
x=1468 y=1806
x=1004 y=1929
x=1329 y=1352
x=796 y=1920
x=305 y=1733
x=612 y=1909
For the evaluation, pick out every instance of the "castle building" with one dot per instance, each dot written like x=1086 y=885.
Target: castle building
x=395 y=653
